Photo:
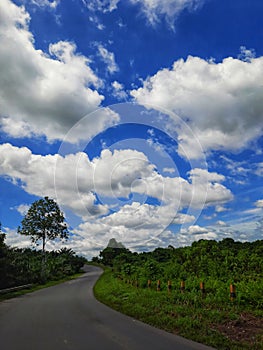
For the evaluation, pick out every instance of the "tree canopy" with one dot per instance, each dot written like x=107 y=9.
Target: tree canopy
x=44 y=221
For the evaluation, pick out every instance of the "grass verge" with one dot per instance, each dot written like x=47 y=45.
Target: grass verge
x=38 y=286
x=223 y=326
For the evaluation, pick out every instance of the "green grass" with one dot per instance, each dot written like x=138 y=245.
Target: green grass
x=38 y=286
x=187 y=314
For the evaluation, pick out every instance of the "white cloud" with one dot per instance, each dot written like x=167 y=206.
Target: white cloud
x=16 y=240
x=197 y=232
x=113 y=175
x=246 y=54
x=259 y=169
x=41 y=93
x=101 y=5
x=221 y=102
x=195 y=229
x=169 y=170
x=221 y=223
x=76 y=182
x=220 y=209
x=118 y=90
x=94 y=19
x=207 y=188
x=154 y=10
x=181 y=219
x=22 y=209
x=134 y=225
x=108 y=58
x=259 y=203
x=46 y=3
x=253 y=211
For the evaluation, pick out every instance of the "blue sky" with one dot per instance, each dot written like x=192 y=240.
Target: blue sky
x=142 y=119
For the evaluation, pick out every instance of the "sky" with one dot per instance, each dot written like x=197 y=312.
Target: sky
x=142 y=119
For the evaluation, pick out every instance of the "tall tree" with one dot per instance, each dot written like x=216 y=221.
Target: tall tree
x=44 y=221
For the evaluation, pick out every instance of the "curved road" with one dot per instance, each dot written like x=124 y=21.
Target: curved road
x=68 y=317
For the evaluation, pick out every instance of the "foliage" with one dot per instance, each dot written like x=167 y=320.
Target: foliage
x=23 y=266
x=113 y=251
x=193 y=314
x=44 y=221
x=225 y=260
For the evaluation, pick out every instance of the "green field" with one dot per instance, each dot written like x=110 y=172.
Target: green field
x=211 y=317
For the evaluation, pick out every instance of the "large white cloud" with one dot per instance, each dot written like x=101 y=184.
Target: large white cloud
x=76 y=182
x=221 y=102
x=75 y=179
x=41 y=93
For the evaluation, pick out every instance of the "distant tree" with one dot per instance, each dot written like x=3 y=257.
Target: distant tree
x=3 y=259
x=2 y=236
x=43 y=222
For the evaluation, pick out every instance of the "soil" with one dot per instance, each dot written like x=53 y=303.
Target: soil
x=247 y=328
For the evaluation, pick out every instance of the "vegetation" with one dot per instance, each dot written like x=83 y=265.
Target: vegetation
x=23 y=266
x=209 y=317
x=44 y=221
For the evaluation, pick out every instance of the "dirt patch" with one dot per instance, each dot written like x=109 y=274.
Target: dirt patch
x=247 y=328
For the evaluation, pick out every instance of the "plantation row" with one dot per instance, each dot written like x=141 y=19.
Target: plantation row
x=249 y=293
x=210 y=318
x=217 y=264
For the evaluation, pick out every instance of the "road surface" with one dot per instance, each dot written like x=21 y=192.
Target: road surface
x=68 y=317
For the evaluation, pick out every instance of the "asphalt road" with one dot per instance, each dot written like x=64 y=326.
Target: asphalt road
x=67 y=317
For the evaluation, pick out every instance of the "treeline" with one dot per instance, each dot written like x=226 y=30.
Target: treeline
x=24 y=266
x=224 y=260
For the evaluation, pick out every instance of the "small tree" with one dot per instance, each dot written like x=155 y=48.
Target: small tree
x=43 y=222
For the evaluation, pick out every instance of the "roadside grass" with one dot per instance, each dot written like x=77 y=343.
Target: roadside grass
x=204 y=319
x=36 y=287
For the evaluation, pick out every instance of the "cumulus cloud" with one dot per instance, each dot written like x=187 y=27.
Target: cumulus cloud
x=102 y=192
x=221 y=102
x=134 y=225
x=197 y=232
x=78 y=182
x=41 y=93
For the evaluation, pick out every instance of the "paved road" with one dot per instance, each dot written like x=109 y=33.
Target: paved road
x=68 y=317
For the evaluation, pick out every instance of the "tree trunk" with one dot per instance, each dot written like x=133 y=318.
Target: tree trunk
x=43 y=265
